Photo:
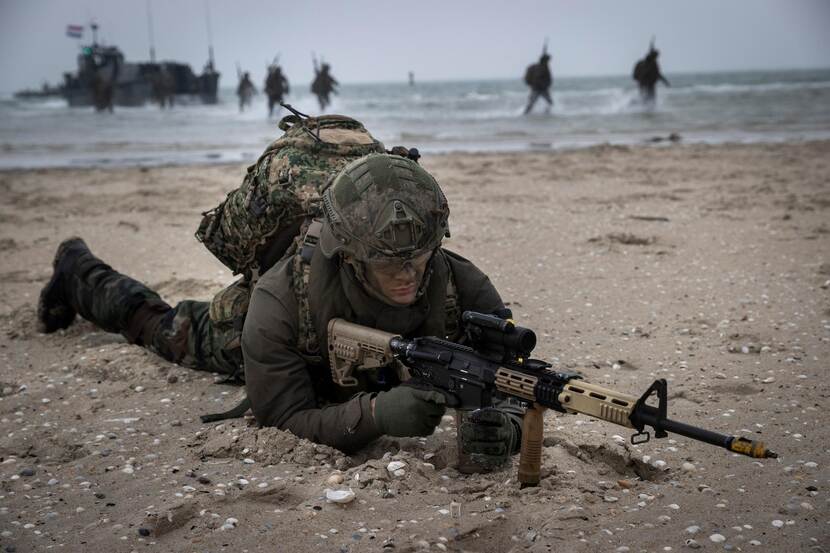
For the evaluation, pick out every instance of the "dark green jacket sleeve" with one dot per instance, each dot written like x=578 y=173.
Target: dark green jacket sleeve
x=277 y=377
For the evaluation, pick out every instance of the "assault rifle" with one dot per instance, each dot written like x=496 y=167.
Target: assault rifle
x=497 y=365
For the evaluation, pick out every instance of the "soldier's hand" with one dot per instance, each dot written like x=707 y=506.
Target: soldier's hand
x=490 y=436
x=406 y=411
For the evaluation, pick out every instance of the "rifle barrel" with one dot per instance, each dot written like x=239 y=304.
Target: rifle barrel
x=751 y=448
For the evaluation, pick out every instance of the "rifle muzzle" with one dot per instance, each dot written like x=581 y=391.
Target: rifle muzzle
x=751 y=448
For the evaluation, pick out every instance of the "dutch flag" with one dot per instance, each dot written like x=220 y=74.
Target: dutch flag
x=74 y=31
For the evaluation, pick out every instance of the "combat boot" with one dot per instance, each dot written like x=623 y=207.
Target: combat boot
x=54 y=311
x=84 y=285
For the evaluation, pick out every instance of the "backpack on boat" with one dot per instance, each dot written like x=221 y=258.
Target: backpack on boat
x=256 y=224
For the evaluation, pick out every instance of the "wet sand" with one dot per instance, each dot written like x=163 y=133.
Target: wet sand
x=708 y=266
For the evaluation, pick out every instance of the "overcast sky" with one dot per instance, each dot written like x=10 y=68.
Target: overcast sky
x=381 y=41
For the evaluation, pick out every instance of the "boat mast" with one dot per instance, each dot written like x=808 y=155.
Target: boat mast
x=210 y=35
x=150 y=32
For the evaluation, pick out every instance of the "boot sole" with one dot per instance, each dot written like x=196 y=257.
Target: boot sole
x=52 y=312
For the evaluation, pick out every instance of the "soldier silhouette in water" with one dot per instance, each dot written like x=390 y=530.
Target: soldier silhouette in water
x=245 y=91
x=276 y=87
x=538 y=77
x=647 y=73
x=324 y=84
x=103 y=83
x=164 y=88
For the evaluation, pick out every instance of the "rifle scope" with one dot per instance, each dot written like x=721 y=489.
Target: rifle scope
x=487 y=331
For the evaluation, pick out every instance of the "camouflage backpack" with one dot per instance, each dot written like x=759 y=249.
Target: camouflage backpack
x=257 y=223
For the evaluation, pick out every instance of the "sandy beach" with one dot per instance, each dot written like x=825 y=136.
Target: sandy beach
x=705 y=265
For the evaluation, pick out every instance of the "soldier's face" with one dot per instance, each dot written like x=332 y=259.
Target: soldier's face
x=398 y=280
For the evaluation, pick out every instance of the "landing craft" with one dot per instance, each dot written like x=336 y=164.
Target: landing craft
x=132 y=83
x=46 y=91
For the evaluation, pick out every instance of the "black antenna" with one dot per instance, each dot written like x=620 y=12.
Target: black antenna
x=294 y=111
x=209 y=34
x=150 y=32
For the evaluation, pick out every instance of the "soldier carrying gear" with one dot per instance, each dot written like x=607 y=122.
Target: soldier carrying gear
x=245 y=91
x=324 y=84
x=376 y=260
x=647 y=73
x=276 y=87
x=538 y=77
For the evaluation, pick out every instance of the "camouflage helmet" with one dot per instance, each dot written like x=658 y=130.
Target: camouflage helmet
x=383 y=205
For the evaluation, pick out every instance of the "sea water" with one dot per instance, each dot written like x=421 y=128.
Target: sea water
x=457 y=116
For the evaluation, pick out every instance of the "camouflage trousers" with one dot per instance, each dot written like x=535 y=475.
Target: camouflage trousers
x=194 y=334
x=187 y=336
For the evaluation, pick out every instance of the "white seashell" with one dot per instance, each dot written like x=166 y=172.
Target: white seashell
x=395 y=465
x=340 y=496
x=334 y=479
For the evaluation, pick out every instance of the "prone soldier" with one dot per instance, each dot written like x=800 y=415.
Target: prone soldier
x=375 y=260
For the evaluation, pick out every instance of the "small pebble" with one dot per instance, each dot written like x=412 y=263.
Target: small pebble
x=335 y=479
x=717 y=538
x=778 y=523
x=28 y=471
x=143 y=532
x=230 y=523
x=692 y=544
x=693 y=529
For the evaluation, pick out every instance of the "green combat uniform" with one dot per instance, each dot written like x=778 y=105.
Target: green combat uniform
x=285 y=318
x=184 y=334
x=290 y=387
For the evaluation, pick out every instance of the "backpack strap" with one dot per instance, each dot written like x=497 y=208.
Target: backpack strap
x=452 y=311
x=307 y=339
x=240 y=409
x=310 y=240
